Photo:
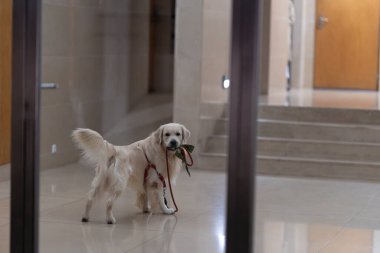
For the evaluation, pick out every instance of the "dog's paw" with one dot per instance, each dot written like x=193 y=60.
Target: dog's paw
x=111 y=220
x=84 y=219
x=147 y=210
x=169 y=211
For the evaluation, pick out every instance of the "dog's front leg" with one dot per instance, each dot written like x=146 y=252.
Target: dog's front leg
x=157 y=188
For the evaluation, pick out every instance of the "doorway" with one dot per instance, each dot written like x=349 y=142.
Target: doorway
x=161 y=50
x=347 y=44
x=5 y=80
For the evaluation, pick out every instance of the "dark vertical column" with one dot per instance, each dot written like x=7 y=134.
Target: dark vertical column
x=25 y=126
x=243 y=113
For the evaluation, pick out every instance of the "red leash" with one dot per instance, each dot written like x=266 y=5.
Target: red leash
x=183 y=152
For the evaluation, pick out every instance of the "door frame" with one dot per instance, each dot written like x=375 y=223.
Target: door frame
x=25 y=126
x=245 y=69
x=245 y=84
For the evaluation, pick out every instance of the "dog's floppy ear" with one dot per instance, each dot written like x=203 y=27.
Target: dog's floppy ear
x=158 y=134
x=185 y=134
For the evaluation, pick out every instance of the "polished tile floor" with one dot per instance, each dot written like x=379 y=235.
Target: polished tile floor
x=294 y=215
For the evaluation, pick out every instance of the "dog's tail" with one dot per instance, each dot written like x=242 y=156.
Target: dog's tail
x=94 y=147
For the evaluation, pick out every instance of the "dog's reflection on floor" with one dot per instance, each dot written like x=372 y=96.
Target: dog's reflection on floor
x=130 y=232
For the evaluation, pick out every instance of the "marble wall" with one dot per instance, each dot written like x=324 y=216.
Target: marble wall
x=304 y=36
x=215 y=48
x=201 y=58
x=187 y=65
x=98 y=53
x=302 y=49
x=162 y=31
x=278 y=45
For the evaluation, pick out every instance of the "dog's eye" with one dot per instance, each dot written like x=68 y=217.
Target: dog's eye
x=178 y=134
x=167 y=134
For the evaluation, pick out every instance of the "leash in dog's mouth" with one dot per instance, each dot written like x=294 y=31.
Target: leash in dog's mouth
x=182 y=152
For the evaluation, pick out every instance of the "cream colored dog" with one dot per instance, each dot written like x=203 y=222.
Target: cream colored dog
x=121 y=166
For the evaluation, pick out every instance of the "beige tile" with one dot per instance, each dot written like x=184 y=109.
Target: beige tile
x=5 y=208
x=5 y=187
x=322 y=98
x=56 y=70
x=72 y=182
x=309 y=73
x=294 y=214
x=91 y=3
x=90 y=238
x=4 y=195
x=57 y=122
x=216 y=47
x=86 y=31
x=4 y=173
x=193 y=6
x=370 y=211
x=135 y=6
x=218 y=5
x=184 y=242
x=56 y=30
x=279 y=38
x=4 y=222
x=62 y=157
x=56 y=2
x=352 y=240
x=4 y=238
x=279 y=8
x=277 y=77
x=115 y=68
x=87 y=78
x=216 y=33
x=279 y=246
x=310 y=9
x=310 y=39
x=214 y=93
x=138 y=79
x=365 y=223
x=47 y=203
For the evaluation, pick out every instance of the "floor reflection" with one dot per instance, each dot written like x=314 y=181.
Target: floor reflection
x=317 y=216
x=197 y=227
x=293 y=215
x=111 y=237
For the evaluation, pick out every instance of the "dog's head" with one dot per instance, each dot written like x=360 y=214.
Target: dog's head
x=172 y=135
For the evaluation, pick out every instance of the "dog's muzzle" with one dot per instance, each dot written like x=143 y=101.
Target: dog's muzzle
x=173 y=144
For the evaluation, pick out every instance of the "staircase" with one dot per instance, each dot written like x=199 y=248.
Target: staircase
x=301 y=141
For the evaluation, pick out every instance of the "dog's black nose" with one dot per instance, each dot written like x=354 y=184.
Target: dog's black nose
x=173 y=144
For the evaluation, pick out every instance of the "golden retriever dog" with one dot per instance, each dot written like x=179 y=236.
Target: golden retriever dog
x=117 y=167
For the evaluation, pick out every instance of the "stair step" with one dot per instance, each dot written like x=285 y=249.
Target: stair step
x=305 y=114
x=327 y=115
x=302 y=130
x=301 y=141
x=279 y=166
x=318 y=168
x=319 y=131
x=350 y=151
x=212 y=161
